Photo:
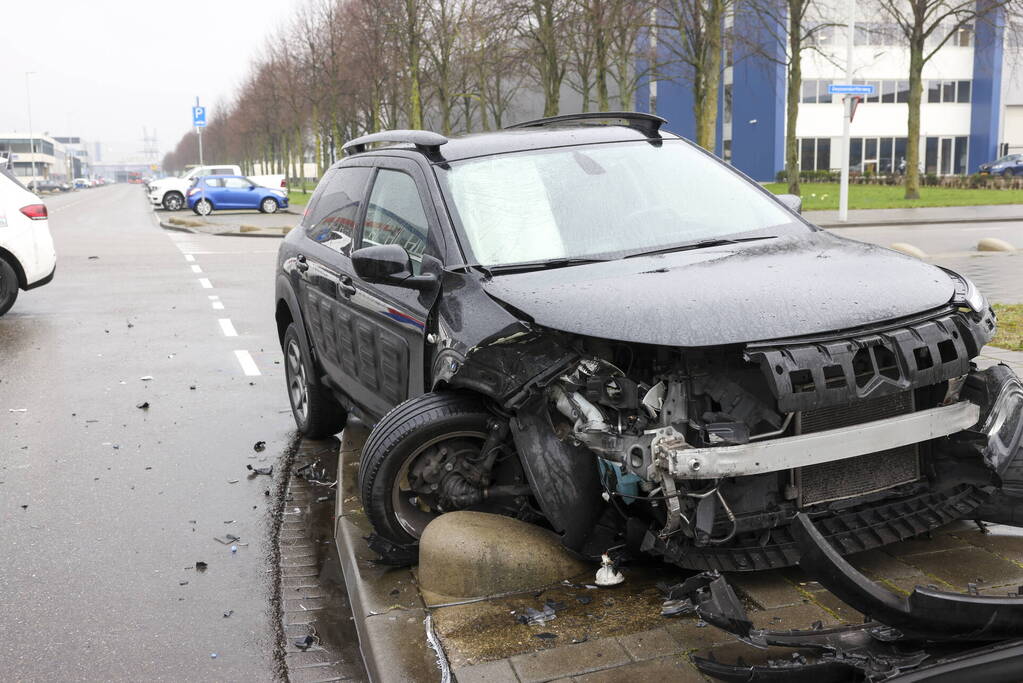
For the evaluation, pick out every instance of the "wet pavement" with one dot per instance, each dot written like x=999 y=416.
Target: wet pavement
x=106 y=507
x=998 y=274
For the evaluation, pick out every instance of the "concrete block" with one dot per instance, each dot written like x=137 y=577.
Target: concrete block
x=649 y=644
x=994 y=244
x=963 y=566
x=473 y=554
x=676 y=669
x=488 y=672
x=570 y=660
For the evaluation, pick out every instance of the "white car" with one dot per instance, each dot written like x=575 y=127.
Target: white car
x=27 y=258
x=170 y=193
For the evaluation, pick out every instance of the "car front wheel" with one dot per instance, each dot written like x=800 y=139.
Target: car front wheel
x=8 y=286
x=203 y=207
x=317 y=413
x=1008 y=173
x=173 y=201
x=269 y=205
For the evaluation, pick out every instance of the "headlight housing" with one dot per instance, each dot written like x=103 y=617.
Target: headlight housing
x=967 y=295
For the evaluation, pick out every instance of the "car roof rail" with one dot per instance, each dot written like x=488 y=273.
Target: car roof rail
x=648 y=124
x=424 y=140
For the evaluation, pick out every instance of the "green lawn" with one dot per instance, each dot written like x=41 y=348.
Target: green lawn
x=825 y=196
x=299 y=198
x=1010 y=327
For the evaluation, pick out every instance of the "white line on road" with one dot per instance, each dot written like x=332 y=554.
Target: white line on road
x=196 y=268
x=248 y=365
x=215 y=301
x=227 y=327
x=205 y=282
x=189 y=257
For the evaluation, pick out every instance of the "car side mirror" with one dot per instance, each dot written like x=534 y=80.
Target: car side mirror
x=792 y=201
x=252 y=187
x=389 y=264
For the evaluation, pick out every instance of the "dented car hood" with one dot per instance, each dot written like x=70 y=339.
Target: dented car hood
x=736 y=293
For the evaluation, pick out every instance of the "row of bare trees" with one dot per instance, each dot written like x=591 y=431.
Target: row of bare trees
x=342 y=68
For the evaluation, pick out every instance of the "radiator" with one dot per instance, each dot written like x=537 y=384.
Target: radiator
x=856 y=476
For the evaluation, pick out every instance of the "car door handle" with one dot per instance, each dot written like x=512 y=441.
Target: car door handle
x=301 y=263
x=345 y=287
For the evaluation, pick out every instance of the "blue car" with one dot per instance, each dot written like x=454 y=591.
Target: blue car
x=233 y=192
x=1008 y=166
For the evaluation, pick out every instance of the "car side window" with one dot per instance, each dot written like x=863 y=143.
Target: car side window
x=332 y=221
x=395 y=215
x=214 y=182
x=236 y=183
x=221 y=171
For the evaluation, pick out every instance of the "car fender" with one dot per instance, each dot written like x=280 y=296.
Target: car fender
x=286 y=295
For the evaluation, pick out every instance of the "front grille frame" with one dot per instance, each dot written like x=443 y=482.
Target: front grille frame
x=865 y=474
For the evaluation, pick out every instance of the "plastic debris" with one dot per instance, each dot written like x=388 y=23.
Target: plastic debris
x=17 y=410
x=584 y=599
x=201 y=566
x=143 y=406
x=232 y=481
x=259 y=446
x=545 y=635
x=147 y=378
x=268 y=471
x=182 y=583
x=227 y=539
x=305 y=642
x=228 y=613
x=213 y=655
x=608 y=575
x=234 y=549
x=583 y=639
x=534 y=616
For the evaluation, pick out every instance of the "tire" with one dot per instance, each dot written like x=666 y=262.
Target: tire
x=397 y=440
x=317 y=413
x=269 y=205
x=203 y=207
x=8 y=286
x=1008 y=173
x=173 y=201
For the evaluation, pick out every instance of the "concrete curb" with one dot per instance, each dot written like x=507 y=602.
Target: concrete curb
x=388 y=609
x=910 y=222
x=192 y=231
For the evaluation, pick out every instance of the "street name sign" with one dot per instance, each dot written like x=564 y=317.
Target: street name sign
x=851 y=89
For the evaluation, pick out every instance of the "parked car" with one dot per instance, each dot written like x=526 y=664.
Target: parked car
x=27 y=258
x=1009 y=165
x=606 y=330
x=233 y=192
x=170 y=193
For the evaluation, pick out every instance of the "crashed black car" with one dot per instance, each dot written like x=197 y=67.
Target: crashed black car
x=594 y=325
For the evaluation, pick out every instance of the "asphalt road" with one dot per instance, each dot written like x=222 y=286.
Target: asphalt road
x=105 y=507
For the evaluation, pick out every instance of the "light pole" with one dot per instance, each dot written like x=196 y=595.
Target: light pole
x=31 y=139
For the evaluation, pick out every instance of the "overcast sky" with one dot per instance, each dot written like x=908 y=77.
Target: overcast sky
x=106 y=68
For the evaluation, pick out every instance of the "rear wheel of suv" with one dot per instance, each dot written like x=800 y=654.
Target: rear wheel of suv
x=8 y=286
x=269 y=205
x=203 y=207
x=317 y=413
x=173 y=201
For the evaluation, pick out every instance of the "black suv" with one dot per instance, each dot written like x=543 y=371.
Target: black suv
x=594 y=325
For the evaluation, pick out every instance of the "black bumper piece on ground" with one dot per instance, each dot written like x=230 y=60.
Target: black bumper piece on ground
x=852 y=531
x=930 y=635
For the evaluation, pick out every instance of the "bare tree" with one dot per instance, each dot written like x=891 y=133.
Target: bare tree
x=927 y=26
x=540 y=24
x=692 y=32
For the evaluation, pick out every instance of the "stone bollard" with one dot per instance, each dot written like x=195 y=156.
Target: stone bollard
x=994 y=244
x=909 y=250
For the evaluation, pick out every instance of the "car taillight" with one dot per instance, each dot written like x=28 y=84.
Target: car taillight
x=36 y=212
x=284 y=182
x=193 y=191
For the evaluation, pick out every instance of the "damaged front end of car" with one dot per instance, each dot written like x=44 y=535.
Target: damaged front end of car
x=928 y=635
x=704 y=456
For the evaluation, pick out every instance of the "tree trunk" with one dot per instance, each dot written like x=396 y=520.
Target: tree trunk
x=600 y=56
x=706 y=81
x=916 y=87
x=795 y=86
x=550 y=66
x=415 y=93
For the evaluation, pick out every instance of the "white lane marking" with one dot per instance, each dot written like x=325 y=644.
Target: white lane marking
x=189 y=257
x=248 y=365
x=205 y=282
x=196 y=268
x=227 y=327
x=218 y=306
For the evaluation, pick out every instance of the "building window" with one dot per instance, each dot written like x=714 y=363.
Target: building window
x=875 y=33
x=946 y=155
x=963 y=36
x=727 y=113
x=948 y=91
x=815 y=154
x=809 y=95
x=902 y=92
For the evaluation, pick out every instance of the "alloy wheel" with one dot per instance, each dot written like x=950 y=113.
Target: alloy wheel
x=298 y=387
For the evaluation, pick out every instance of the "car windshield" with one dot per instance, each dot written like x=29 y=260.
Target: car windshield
x=606 y=200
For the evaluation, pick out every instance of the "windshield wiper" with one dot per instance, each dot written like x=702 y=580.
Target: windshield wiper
x=702 y=244
x=545 y=264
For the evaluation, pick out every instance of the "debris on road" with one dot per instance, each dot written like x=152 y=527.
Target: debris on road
x=268 y=471
x=259 y=446
x=545 y=635
x=201 y=566
x=608 y=574
x=143 y=406
x=227 y=539
x=146 y=378
x=305 y=642
x=228 y=613
x=534 y=616
x=18 y=410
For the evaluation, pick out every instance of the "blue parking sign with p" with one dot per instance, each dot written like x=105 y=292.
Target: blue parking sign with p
x=199 y=117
